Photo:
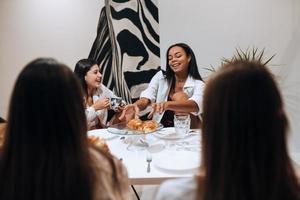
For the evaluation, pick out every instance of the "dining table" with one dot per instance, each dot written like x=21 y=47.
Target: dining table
x=155 y=157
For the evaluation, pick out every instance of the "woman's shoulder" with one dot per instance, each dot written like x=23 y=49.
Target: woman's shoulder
x=107 y=165
x=111 y=174
x=192 y=82
x=159 y=77
x=183 y=188
x=198 y=81
x=160 y=74
x=103 y=91
x=104 y=160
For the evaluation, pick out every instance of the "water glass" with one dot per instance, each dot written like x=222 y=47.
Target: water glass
x=182 y=125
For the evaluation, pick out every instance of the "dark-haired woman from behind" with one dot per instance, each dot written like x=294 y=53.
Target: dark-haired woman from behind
x=45 y=154
x=244 y=140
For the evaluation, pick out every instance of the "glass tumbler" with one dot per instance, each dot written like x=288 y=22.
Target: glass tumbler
x=182 y=124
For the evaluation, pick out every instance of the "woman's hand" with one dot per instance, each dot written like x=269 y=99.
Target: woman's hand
x=101 y=104
x=130 y=111
x=158 y=108
x=120 y=108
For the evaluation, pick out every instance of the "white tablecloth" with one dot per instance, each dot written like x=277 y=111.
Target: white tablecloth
x=135 y=160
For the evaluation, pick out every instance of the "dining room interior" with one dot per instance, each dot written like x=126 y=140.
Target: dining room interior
x=66 y=30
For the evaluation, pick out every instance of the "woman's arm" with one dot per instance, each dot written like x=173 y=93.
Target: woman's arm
x=147 y=96
x=92 y=112
x=133 y=110
x=151 y=91
x=197 y=96
x=180 y=103
x=184 y=106
x=142 y=103
x=101 y=104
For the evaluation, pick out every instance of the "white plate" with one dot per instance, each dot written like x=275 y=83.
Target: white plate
x=177 y=160
x=170 y=134
x=151 y=140
x=102 y=133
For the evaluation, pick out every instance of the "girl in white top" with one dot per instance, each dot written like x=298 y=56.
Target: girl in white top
x=177 y=90
x=96 y=95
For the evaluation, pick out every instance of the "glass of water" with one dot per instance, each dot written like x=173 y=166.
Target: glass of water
x=182 y=123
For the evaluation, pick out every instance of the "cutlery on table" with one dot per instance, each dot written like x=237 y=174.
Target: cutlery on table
x=149 y=160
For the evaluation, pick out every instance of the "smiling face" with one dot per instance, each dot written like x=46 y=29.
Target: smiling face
x=178 y=60
x=93 y=77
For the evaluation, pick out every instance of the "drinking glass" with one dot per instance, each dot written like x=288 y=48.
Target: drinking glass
x=182 y=123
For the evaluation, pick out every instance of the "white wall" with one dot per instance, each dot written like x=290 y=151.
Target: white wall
x=65 y=29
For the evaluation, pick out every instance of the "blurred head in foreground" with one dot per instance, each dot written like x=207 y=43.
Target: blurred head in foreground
x=244 y=135
x=45 y=153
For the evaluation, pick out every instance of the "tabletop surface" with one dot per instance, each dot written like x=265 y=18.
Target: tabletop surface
x=171 y=157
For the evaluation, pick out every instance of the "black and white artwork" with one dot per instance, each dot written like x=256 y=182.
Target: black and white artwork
x=127 y=45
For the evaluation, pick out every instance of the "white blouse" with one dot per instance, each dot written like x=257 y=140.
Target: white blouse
x=159 y=89
x=95 y=117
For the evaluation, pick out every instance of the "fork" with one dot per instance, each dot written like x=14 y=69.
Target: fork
x=149 y=160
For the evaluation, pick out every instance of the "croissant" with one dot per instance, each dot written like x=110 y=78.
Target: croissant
x=143 y=126
x=149 y=126
x=135 y=124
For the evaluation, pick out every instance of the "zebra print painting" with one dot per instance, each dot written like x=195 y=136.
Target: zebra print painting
x=127 y=45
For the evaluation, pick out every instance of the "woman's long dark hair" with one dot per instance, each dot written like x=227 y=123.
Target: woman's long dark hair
x=81 y=68
x=45 y=153
x=244 y=137
x=192 y=68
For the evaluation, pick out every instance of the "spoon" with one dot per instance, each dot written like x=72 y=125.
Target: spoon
x=148 y=159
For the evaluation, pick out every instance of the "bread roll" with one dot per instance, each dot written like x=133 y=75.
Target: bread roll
x=149 y=126
x=135 y=124
x=145 y=127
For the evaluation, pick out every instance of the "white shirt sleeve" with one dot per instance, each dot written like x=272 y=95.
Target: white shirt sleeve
x=91 y=116
x=104 y=92
x=152 y=89
x=94 y=116
x=197 y=96
x=107 y=92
